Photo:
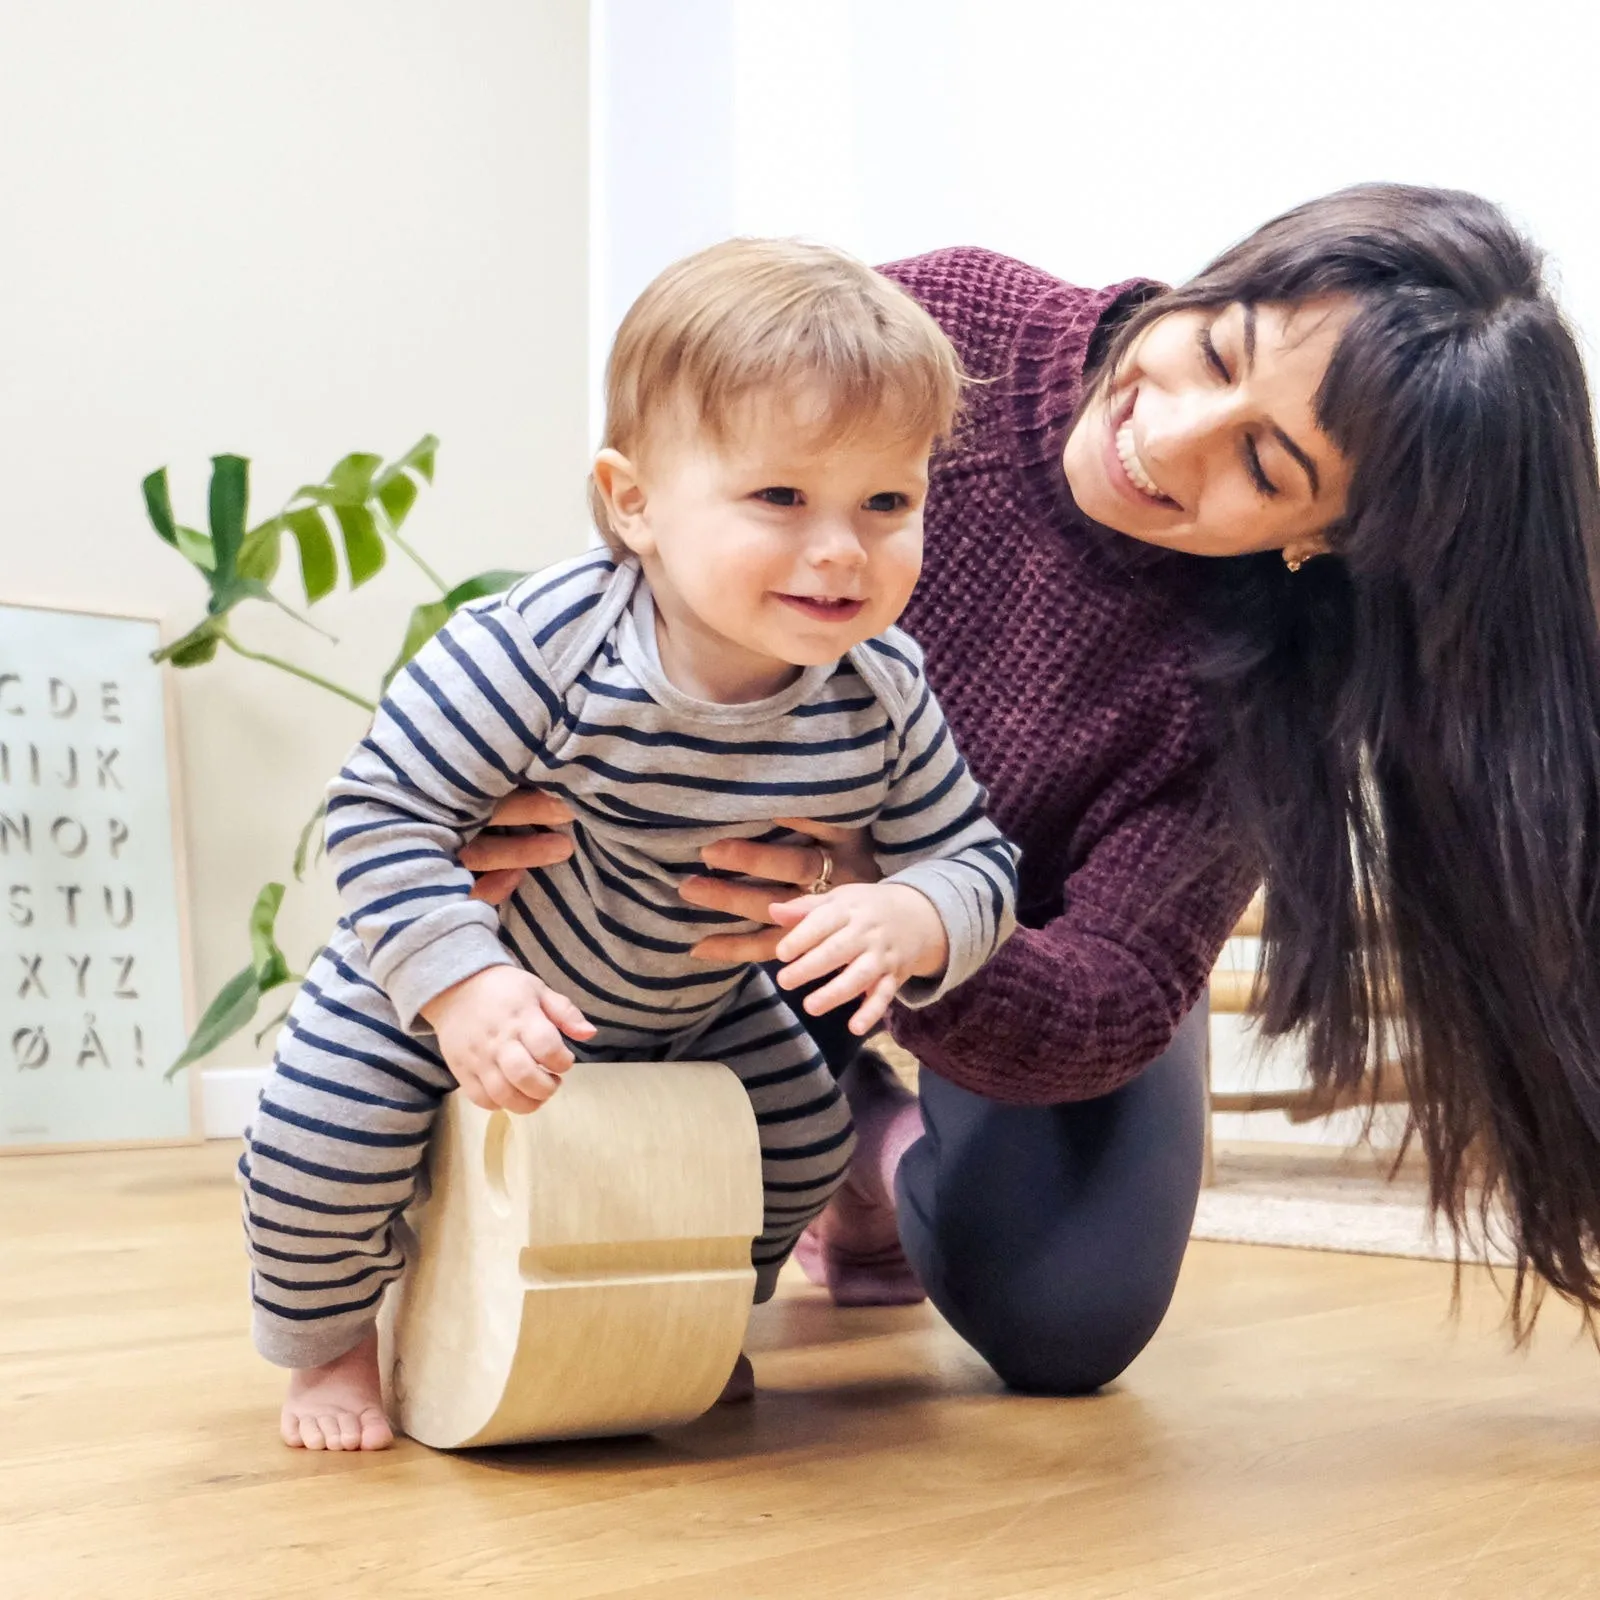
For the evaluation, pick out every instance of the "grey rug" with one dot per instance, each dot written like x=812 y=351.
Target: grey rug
x=1307 y=1203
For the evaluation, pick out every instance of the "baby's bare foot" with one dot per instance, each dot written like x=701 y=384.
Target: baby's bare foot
x=339 y=1406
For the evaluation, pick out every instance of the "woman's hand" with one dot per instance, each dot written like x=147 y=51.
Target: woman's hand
x=500 y=859
x=773 y=873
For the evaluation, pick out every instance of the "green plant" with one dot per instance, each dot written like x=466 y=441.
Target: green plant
x=360 y=506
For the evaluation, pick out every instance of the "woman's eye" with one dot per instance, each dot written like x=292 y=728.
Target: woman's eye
x=889 y=500
x=779 y=496
x=1252 y=464
x=1208 y=352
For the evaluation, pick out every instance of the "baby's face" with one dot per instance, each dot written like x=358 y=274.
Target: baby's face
x=784 y=550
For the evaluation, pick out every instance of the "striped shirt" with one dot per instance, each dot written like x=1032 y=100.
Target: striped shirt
x=557 y=684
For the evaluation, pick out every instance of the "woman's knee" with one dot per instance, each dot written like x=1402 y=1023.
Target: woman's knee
x=1056 y=1341
x=1051 y=1237
x=1061 y=1319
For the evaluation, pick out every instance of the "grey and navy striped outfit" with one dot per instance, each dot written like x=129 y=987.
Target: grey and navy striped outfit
x=557 y=684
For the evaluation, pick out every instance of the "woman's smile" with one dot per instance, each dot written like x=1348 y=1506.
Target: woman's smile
x=1124 y=455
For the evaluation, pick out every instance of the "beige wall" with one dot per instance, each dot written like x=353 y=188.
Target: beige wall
x=288 y=230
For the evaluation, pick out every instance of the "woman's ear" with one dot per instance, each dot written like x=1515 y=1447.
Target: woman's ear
x=1301 y=551
x=622 y=490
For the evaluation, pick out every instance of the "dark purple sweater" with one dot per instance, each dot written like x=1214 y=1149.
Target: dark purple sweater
x=1062 y=655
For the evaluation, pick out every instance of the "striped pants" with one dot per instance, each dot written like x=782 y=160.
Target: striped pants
x=331 y=1158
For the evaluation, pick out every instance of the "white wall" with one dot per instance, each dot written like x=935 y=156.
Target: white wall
x=286 y=229
x=1099 y=141
x=1103 y=141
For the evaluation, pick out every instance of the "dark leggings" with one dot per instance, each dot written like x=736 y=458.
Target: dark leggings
x=1050 y=1237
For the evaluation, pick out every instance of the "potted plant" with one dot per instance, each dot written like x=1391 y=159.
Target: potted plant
x=359 y=508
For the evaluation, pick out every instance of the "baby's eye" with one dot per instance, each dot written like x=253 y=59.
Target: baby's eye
x=778 y=496
x=889 y=500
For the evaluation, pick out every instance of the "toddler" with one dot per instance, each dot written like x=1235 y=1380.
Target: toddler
x=727 y=662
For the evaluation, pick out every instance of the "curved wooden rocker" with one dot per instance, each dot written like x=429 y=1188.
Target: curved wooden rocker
x=580 y=1271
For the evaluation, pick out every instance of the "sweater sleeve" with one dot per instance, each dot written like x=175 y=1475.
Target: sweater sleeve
x=933 y=834
x=1080 y=1006
x=458 y=730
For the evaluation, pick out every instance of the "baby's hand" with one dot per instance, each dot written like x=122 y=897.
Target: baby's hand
x=500 y=1034
x=879 y=934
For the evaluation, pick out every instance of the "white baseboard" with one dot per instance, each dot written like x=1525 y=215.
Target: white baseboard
x=229 y=1095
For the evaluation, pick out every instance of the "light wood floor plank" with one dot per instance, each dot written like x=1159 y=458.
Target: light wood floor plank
x=1307 y=1425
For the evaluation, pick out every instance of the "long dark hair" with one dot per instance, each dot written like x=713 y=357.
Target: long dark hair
x=1412 y=724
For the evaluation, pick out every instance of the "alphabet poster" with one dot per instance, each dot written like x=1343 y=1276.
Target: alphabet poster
x=92 y=980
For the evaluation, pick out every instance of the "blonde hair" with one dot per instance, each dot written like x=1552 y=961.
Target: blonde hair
x=776 y=315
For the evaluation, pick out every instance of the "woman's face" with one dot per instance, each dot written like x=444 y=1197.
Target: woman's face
x=1207 y=439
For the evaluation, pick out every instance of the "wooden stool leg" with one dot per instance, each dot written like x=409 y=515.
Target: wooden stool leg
x=581 y=1271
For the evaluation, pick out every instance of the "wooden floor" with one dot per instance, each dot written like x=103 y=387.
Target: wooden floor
x=1305 y=1425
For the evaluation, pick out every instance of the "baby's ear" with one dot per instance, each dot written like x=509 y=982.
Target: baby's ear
x=620 y=487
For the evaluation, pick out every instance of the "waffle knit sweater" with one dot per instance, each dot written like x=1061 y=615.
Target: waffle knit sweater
x=1063 y=655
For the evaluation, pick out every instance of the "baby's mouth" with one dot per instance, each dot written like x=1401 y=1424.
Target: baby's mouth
x=823 y=607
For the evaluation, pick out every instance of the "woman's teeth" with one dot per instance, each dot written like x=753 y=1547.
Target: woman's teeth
x=1129 y=457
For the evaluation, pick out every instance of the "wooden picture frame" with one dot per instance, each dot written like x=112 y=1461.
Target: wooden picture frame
x=143 y=1031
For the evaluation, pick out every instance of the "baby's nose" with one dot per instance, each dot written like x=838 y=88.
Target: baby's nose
x=836 y=543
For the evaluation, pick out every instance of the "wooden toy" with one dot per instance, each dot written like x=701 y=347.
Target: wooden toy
x=580 y=1271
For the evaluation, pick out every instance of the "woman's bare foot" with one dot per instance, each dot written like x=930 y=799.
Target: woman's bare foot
x=853 y=1249
x=339 y=1406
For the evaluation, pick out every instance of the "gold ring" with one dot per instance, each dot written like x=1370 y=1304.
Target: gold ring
x=824 y=878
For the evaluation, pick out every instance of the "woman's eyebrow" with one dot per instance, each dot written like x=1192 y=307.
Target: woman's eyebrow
x=1306 y=464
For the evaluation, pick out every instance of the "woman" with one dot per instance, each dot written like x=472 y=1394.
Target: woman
x=1385 y=703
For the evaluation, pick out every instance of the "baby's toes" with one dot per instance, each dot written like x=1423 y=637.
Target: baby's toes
x=374 y=1432
x=342 y=1430
x=314 y=1431
x=289 y=1427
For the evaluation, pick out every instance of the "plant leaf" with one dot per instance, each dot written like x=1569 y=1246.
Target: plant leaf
x=303 y=848
x=395 y=486
x=235 y=1004
x=261 y=551
x=196 y=547
x=195 y=654
x=419 y=459
x=364 y=550
x=230 y=498
x=270 y=966
x=267 y=1028
x=158 y=506
x=397 y=497
x=319 y=563
x=350 y=481
x=496 y=581
x=227 y=592
x=194 y=649
x=426 y=620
